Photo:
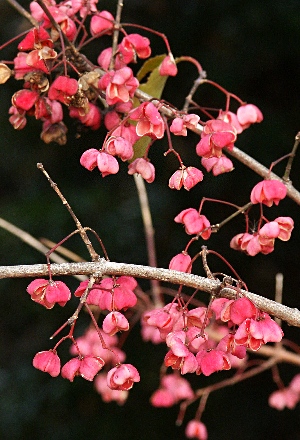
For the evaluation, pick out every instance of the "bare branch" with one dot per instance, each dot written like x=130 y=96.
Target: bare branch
x=23 y=12
x=82 y=231
x=149 y=234
x=33 y=242
x=116 y=32
x=103 y=267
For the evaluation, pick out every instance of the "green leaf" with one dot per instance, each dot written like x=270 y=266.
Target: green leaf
x=149 y=66
x=140 y=147
x=155 y=83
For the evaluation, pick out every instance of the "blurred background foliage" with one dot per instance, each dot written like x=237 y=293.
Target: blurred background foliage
x=250 y=48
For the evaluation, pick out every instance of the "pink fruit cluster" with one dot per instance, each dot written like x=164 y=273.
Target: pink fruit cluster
x=48 y=293
x=97 y=348
x=111 y=294
x=262 y=240
x=194 y=224
x=191 y=350
x=50 y=86
x=286 y=397
x=218 y=135
x=59 y=81
x=221 y=134
x=56 y=82
x=121 y=378
x=173 y=388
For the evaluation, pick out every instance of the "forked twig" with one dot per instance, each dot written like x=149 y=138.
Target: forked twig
x=81 y=229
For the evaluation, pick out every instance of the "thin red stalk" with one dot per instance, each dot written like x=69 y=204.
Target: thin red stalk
x=196 y=63
x=7 y=43
x=238 y=377
x=276 y=377
x=222 y=89
x=152 y=31
x=171 y=149
x=100 y=242
x=207 y=199
x=228 y=265
x=60 y=342
x=103 y=343
x=81 y=27
x=54 y=248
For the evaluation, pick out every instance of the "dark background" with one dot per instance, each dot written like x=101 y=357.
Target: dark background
x=252 y=49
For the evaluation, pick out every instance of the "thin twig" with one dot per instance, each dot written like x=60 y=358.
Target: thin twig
x=34 y=243
x=116 y=33
x=204 y=263
x=241 y=210
x=224 y=383
x=30 y=240
x=82 y=231
x=286 y=176
x=23 y=12
x=193 y=90
x=63 y=37
x=239 y=377
x=149 y=235
x=70 y=255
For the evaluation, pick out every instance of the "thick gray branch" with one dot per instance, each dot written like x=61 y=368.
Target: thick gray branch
x=103 y=267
